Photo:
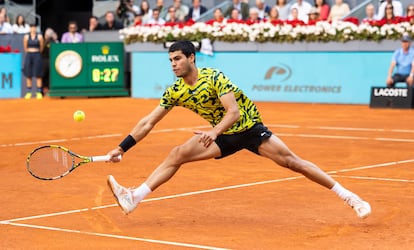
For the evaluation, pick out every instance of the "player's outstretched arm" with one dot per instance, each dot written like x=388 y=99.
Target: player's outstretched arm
x=143 y=127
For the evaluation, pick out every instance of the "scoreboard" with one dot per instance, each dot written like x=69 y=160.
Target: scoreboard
x=87 y=69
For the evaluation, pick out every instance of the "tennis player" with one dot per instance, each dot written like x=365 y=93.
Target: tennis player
x=236 y=125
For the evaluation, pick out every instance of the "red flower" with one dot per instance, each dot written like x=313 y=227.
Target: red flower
x=353 y=20
x=212 y=21
x=295 y=23
x=313 y=22
x=277 y=22
x=250 y=22
x=235 y=21
x=8 y=49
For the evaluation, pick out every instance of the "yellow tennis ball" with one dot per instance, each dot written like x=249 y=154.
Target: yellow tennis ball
x=79 y=115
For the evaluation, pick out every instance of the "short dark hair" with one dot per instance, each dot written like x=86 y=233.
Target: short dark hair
x=185 y=46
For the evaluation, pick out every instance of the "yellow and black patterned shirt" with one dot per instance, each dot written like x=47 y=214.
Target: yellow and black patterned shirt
x=203 y=99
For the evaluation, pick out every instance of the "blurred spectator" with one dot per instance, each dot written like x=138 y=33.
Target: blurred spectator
x=126 y=11
x=283 y=9
x=50 y=37
x=172 y=17
x=389 y=16
x=242 y=7
x=20 y=26
x=302 y=8
x=160 y=5
x=94 y=24
x=3 y=10
x=218 y=17
x=146 y=11
x=402 y=61
x=263 y=9
x=369 y=14
x=294 y=14
x=196 y=10
x=156 y=19
x=181 y=10
x=5 y=27
x=338 y=11
x=72 y=35
x=235 y=17
x=138 y=20
x=409 y=17
x=33 y=44
x=397 y=11
x=111 y=23
x=274 y=16
x=294 y=18
x=314 y=16
x=253 y=16
x=323 y=9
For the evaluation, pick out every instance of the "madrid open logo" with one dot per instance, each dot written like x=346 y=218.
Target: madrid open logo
x=279 y=73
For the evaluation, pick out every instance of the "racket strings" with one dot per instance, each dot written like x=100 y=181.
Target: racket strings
x=50 y=162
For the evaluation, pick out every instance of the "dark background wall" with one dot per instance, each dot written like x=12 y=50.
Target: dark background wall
x=57 y=14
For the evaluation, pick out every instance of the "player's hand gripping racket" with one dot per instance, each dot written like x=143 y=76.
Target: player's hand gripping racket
x=53 y=162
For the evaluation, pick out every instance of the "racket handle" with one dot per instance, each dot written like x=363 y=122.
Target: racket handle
x=103 y=158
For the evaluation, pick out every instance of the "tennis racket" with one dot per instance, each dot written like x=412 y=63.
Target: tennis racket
x=52 y=162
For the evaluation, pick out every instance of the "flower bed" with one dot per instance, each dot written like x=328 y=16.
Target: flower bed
x=261 y=32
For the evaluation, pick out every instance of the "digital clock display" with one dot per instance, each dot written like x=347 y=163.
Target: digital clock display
x=106 y=75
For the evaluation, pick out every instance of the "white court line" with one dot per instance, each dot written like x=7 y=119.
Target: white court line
x=157 y=199
x=339 y=137
x=373 y=178
x=386 y=164
x=59 y=140
x=350 y=128
x=95 y=137
x=268 y=125
x=171 y=243
x=324 y=136
x=394 y=139
x=13 y=221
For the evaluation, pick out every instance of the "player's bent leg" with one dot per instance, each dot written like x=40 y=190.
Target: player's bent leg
x=276 y=150
x=190 y=151
x=128 y=198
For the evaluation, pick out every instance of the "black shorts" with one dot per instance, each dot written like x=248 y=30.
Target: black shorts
x=249 y=139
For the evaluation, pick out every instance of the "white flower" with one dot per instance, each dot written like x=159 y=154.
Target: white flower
x=266 y=31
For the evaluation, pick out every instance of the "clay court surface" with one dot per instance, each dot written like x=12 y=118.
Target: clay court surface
x=240 y=202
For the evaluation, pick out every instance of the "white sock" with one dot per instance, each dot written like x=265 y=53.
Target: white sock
x=341 y=191
x=140 y=192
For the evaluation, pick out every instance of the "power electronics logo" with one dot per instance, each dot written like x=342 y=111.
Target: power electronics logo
x=279 y=73
x=279 y=78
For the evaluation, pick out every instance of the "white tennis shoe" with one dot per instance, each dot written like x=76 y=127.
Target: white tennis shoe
x=362 y=208
x=122 y=195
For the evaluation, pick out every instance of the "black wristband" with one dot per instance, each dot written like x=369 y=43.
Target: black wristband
x=127 y=143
